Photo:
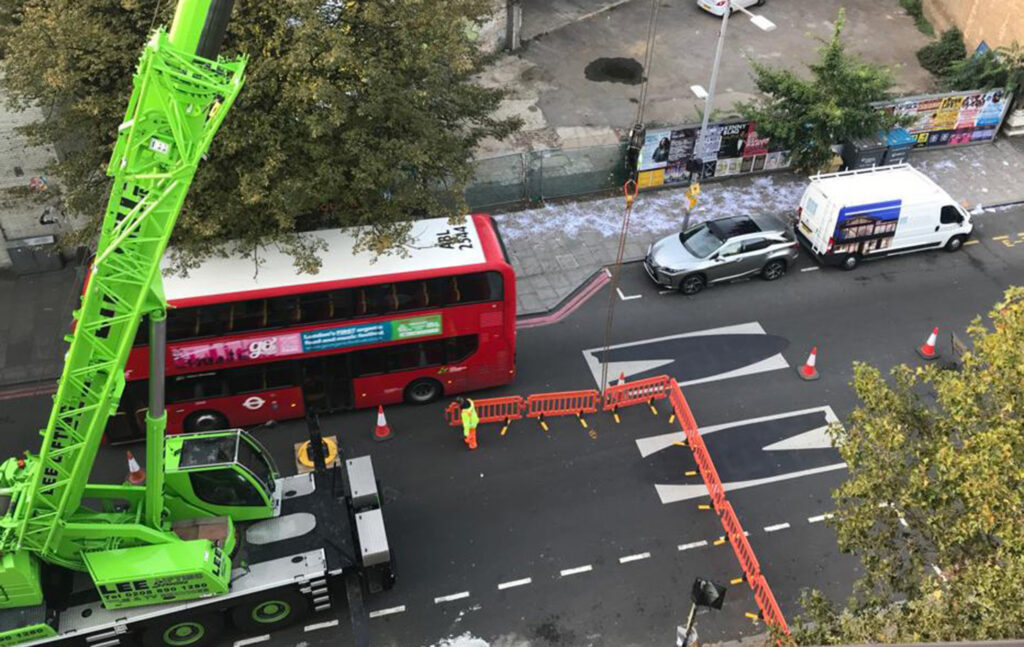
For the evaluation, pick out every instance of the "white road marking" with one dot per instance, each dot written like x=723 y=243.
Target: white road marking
x=776 y=527
x=577 y=570
x=629 y=298
x=633 y=558
x=810 y=269
x=693 y=544
x=820 y=517
x=451 y=598
x=387 y=612
x=663 y=292
x=252 y=641
x=608 y=272
x=321 y=625
x=938 y=571
x=514 y=583
x=817 y=438
x=676 y=493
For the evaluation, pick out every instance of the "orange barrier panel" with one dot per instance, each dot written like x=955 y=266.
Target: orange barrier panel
x=565 y=403
x=770 y=611
x=490 y=410
x=638 y=392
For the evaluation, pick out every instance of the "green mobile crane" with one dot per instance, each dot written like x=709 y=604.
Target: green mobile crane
x=215 y=532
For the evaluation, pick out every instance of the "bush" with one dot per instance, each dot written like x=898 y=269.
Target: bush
x=937 y=56
x=916 y=11
x=979 y=72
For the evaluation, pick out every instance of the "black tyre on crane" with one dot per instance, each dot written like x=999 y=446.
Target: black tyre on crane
x=184 y=630
x=269 y=611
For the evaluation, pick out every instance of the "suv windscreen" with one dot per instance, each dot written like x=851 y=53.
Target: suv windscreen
x=700 y=241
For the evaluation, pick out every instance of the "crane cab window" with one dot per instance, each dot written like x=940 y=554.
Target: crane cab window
x=225 y=486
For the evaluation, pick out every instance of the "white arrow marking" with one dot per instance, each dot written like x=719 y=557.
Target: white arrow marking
x=813 y=439
x=632 y=367
x=676 y=493
x=773 y=363
x=652 y=444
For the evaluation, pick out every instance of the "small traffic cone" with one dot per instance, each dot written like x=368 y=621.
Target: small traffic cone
x=383 y=431
x=928 y=350
x=136 y=475
x=807 y=371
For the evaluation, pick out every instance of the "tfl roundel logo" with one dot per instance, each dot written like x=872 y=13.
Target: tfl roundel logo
x=254 y=402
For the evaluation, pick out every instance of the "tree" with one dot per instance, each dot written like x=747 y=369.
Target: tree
x=938 y=55
x=808 y=116
x=934 y=501
x=1002 y=67
x=354 y=113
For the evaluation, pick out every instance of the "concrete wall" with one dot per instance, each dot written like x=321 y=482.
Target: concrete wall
x=997 y=22
x=21 y=166
x=492 y=35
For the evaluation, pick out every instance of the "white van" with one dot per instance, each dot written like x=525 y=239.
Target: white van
x=852 y=215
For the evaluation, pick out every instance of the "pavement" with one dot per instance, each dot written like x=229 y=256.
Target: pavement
x=555 y=249
x=565 y=100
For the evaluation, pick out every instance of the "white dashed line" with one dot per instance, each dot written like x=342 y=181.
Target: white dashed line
x=252 y=641
x=577 y=570
x=693 y=544
x=633 y=558
x=820 y=517
x=321 y=625
x=514 y=583
x=810 y=269
x=452 y=597
x=387 y=612
x=664 y=292
x=776 y=527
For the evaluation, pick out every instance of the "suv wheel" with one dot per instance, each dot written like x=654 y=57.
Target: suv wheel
x=692 y=284
x=773 y=270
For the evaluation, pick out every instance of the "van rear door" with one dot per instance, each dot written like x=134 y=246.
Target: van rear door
x=817 y=219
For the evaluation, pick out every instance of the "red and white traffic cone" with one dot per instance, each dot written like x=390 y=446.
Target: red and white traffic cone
x=383 y=431
x=807 y=371
x=928 y=350
x=136 y=475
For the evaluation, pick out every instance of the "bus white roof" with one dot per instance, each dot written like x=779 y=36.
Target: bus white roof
x=435 y=244
x=901 y=182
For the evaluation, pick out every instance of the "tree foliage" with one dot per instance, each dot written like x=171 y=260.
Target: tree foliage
x=938 y=55
x=934 y=502
x=1001 y=67
x=807 y=116
x=354 y=113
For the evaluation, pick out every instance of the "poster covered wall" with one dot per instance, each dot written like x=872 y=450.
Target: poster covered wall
x=952 y=119
x=732 y=148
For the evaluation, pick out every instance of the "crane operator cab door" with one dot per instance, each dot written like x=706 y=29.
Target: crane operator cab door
x=220 y=473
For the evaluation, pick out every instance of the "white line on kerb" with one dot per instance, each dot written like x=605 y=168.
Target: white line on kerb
x=577 y=570
x=514 y=583
x=810 y=269
x=387 y=612
x=776 y=527
x=693 y=544
x=252 y=641
x=820 y=517
x=629 y=298
x=633 y=558
x=452 y=597
x=321 y=625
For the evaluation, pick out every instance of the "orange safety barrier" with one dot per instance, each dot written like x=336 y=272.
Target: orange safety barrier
x=637 y=392
x=490 y=410
x=564 y=403
x=770 y=611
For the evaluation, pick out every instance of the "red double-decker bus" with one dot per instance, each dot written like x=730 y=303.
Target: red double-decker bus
x=247 y=345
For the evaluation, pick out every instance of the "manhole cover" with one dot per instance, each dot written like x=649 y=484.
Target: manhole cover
x=615 y=70
x=567 y=261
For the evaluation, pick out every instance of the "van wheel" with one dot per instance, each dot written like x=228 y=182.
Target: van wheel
x=205 y=421
x=692 y=284
x=773 y=270
x=850 y=261
x=954 y=243
x=195 y=631
x=423 y=391
x=270 y=611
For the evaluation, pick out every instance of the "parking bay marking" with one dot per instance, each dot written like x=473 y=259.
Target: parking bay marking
x=627 y=298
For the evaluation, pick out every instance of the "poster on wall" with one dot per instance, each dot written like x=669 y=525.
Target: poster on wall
x=730 y=149
x=953 y=119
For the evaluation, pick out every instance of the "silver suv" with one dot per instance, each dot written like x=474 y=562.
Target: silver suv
x=721 y=250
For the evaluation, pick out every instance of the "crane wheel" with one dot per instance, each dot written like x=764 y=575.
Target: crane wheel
x=269 y=611
x=197 y=630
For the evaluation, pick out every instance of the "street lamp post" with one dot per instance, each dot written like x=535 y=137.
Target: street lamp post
x=761 y=23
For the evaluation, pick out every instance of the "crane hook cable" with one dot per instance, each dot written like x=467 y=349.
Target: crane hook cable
x=629 y=189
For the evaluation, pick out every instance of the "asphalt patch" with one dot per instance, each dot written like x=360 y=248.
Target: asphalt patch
x=615 y=70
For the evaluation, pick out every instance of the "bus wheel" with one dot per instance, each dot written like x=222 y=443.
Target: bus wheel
x=423 y=391
x=270 y=611
x=196 y=631
x=205 y=421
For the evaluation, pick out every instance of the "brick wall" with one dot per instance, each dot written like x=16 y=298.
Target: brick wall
x=997 y=22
